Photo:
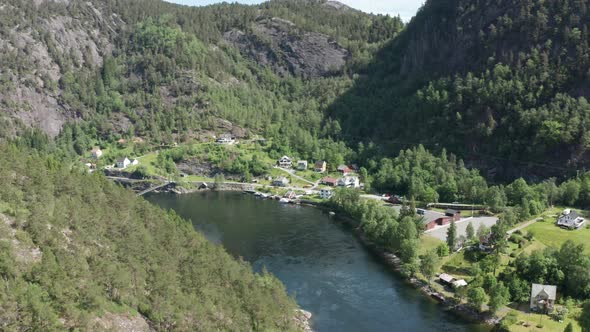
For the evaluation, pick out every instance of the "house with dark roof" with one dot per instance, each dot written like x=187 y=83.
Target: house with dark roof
x=543 y=297
x=285 y=162
x=453 y=214
x=320 y=166
x=570 y=219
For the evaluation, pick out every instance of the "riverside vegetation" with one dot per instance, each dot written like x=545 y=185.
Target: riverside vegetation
x=170 y=75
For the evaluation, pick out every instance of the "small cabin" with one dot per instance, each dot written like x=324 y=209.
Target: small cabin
x=302 y=165
x=123 y=162
x=320 y=166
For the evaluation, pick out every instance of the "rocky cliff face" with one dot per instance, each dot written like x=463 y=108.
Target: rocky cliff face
x=279 y=44
x=34 y=53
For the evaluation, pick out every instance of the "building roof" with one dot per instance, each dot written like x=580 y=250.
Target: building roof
x=343 y=168
x=550 y=290
x=320 y=163
x=302 y=162
x=96 y=149
x=285 y=158
x=329 y=180
x=446 y=277
x=451 y=212
x=460 y=283
x=121 y=160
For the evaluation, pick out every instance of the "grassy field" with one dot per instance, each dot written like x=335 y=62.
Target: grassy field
x=527 y=321
x=550 y=235
x=428 y=243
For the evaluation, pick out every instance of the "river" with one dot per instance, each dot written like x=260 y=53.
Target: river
x=320 y=261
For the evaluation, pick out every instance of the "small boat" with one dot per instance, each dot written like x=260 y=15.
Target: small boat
x=264 y=195
x=257 y=194
x=284 y=200
x=332 y=213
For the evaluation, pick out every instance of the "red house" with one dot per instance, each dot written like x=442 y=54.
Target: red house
x=443 y=221
x=453 y=214
x=328 y=181
x=343 y=169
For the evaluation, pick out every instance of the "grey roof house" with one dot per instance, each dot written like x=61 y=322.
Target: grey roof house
x=543 y=297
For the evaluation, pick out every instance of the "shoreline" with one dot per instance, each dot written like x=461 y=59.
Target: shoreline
x=387 y=258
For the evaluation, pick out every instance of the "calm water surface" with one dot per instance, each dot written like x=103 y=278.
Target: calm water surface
x=319 y=260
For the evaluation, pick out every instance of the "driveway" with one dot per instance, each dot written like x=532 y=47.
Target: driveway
x=440 y=232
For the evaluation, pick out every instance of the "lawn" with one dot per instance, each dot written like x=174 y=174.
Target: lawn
x=525 y=317
x=550 y=235
x=428 y=243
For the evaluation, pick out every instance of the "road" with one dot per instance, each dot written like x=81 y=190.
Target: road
x=526 y=224
x=440 y=232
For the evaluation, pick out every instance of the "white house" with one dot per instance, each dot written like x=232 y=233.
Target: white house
x=285 y=162
x=349 y=182
x=123 y=162
x=281 y=181
x=96 y=152
x=226 y=139
x=570 y=219
x=134 y=162
x=543 y=297
x=326 y=193
x=302 y=165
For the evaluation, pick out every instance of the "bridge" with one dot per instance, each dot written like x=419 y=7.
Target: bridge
x=162 y=185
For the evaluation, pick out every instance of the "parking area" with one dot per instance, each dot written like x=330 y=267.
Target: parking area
x=440 y=232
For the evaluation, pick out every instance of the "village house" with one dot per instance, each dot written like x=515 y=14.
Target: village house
x=570 y=219
x=320 y=166
x=123 y=162
x=326 y=193
x=349 y=182
x=285 y=162
x=446 y=279
x=328 y=181
x=96 y=152
x=543 y=297
x=134 y=161
x=281 y=181
x=343 y=169
x=453 y=214
x=459 y=283
x=226 y=139
x=302 y=165
x=431 y=219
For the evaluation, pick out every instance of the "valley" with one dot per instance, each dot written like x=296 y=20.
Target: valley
x=455 y=144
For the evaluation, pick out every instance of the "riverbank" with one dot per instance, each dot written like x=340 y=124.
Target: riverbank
x=394 y=263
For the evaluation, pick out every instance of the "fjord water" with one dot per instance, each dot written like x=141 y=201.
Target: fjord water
x=318 y=259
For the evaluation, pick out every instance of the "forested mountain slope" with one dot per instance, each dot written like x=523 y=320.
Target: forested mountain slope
x=503 y=83
x=77 y=252
x=84 y=72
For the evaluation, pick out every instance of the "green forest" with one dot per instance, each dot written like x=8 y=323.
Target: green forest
x=76 y=246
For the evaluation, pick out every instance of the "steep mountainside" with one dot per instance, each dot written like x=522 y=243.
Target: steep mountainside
x=500 y=82
x=78 y=252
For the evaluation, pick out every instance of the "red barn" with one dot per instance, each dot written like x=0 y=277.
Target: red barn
x=453 y=214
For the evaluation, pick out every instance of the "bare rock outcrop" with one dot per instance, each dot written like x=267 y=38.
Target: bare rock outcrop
x=279 y=44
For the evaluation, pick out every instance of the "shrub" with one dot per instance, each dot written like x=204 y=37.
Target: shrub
x=510 y=319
